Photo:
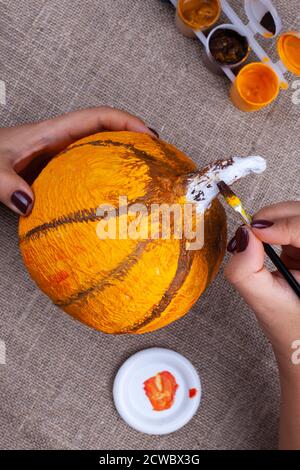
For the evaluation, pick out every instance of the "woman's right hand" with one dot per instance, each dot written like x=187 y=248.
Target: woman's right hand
x=274 y=302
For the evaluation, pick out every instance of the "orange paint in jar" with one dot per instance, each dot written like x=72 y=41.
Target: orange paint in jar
x=199 y=14
x=256 y=86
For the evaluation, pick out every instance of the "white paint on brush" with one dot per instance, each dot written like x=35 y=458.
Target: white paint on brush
x=202 y=186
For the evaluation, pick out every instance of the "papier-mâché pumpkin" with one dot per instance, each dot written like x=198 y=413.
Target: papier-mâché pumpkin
x=124 y=285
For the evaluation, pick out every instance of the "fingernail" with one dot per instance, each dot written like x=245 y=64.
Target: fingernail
x=242 y=239
x=154 y=132
x=261 y=223
x=231 y=247
x=22 y=201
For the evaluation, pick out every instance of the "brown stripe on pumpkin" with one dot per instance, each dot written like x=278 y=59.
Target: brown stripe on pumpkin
x=184 y=264
x=141 y=154
x=183 y=167
x=85 y=215
x=118 y=273
x=216 y=230
x=105 y=143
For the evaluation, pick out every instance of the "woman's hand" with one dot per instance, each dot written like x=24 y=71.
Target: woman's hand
x=19 y=146
x=275 y=304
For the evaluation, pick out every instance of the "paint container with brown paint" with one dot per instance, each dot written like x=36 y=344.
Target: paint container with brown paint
x=227 y=46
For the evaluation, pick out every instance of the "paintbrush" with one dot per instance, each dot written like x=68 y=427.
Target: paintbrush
x=234 y=201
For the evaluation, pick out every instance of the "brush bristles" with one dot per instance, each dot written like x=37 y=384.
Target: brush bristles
x=225 y=190
x=233 y=201
x=229 y=195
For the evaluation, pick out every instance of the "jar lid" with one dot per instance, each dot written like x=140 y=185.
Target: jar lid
x=153 y=377
x=263 y=17
x=288 y=47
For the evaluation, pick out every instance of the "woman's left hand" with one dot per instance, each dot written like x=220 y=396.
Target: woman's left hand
x=30 y=146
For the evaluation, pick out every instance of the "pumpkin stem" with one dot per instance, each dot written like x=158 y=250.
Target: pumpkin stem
x=201 y=186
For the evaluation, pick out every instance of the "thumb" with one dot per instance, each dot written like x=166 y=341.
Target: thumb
x=247 y=273
x=15 y=193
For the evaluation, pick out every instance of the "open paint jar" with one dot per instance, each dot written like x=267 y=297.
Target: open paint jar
x=255 y=86
x=196 y=15
x=227 y=46
x=289 y=51
x=263 y=17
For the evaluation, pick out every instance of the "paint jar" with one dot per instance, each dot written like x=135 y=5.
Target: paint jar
x=255 y=86
x=288 y=47
x=227 y=46
x=263 y=17
x=196 y=15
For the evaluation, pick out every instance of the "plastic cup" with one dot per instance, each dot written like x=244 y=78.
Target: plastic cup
x=182 y=27
x=289 y=51
x=262 y=14
x=228 y=27
x=255 y=86
x=196 y=15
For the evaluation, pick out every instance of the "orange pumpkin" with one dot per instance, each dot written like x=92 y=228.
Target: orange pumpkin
x=117 y=285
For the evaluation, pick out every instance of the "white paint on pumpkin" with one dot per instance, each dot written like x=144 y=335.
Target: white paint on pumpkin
x=202 y=185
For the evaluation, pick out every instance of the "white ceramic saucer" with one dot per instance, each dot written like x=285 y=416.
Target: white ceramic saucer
x=134 y=406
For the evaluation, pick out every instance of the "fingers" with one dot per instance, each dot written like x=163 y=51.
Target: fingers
x=21 y=144
x=15 y=193
x=276 y=211
x=64 y=130
x=260 y=288
x=245 y=269
x=278 y=214
x=283 y=231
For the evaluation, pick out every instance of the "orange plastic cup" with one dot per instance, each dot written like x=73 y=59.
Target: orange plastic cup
x=289 y=51
x=255 y=86
x=199 y=15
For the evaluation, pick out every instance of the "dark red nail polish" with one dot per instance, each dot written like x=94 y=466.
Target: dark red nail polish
x=231 y=247
x=22 y=201
x=261 y=224
x=154 y=132
x=242 y=239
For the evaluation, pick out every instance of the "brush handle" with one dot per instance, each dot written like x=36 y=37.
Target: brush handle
x=282 y=268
